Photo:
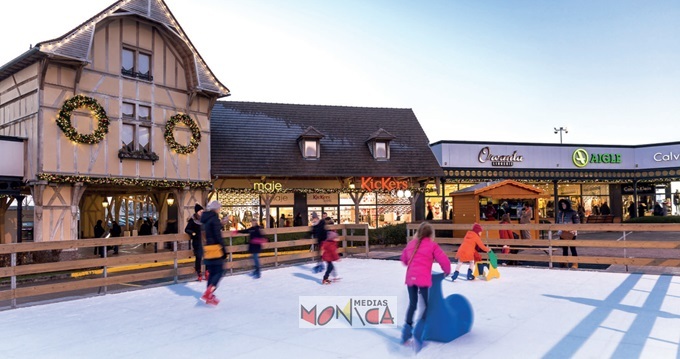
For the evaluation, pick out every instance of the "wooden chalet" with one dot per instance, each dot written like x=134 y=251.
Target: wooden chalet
x=469 y=203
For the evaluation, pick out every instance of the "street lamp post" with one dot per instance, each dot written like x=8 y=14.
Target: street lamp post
x=560 y=130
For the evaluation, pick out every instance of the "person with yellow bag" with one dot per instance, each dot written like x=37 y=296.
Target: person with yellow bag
x=214 y=250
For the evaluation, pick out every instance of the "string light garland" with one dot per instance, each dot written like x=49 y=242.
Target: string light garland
x=64 y=120
x=170 y=136
x=120 y=181
x=314 y=190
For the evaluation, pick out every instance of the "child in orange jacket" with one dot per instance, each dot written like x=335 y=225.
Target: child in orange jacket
x=467 y=251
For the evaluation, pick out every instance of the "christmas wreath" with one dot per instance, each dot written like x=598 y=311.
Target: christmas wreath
x=170 y=136
x=64 y=119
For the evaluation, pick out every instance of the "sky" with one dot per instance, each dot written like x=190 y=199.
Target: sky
x=526 y=313
x=496 y=70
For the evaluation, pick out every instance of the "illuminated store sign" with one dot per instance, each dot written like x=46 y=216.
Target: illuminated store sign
x=385 y=183
x=485 y=155
x=268 y=187
x=581 y=158
x=664 y=157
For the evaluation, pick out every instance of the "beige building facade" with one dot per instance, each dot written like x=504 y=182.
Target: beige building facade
x=115 y=115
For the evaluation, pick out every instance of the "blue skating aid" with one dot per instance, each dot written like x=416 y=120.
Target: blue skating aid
x=446 y=319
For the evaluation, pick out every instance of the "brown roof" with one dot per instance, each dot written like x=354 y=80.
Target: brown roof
x=76 y=44
x=260 y=139
x=489 y=186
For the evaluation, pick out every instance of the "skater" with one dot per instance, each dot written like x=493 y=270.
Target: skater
x=567 y=215
x=214 y=251
x=525 y=218
x=320 y=233
x=193 y=229
x=329 y=253
x=255 y=240
x=468 y=249
x=418 y=256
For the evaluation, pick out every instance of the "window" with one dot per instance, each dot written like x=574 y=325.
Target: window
x=136 y=135
x=136 y=64
x=308 y=142
x=311 y=149
x=381 y=150
x=128 y=110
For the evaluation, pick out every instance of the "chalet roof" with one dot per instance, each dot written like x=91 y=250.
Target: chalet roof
x=260 y=139
x=76 y=44
x=482 y=187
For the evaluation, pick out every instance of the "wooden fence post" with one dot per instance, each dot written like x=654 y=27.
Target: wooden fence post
x=276 y=249
x=344 y=241
x=366 y=236
x=174 y=249
x=231 y=255
x=13 y=285
x=550 y=249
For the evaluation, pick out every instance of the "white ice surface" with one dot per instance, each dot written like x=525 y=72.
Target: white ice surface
x=527 y=313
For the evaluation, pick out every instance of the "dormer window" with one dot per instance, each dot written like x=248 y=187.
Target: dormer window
x=311 y=149
x=310 y=143
x=381 y=150
x=379 y=144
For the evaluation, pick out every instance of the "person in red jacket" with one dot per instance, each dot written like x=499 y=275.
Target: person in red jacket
x=467 y=250
x=419 y=255
x=329 y=253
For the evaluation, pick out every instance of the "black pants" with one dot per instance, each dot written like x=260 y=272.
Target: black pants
x=198 y=254
x=413 y=302
x=329 y=269
x=216 y=271
x=565 y=250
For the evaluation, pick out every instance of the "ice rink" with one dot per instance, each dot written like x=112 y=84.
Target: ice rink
x=527 y=313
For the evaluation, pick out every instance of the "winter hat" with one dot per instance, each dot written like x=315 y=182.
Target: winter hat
x=214 y=205
x=197 y=208
x=477 y=228
x=314 y=215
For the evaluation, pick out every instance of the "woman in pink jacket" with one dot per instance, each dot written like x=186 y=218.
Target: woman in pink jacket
x=468 y=249
x=418 y=256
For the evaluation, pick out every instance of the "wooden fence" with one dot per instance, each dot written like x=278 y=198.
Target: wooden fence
x=129 y=268
x=616 y=251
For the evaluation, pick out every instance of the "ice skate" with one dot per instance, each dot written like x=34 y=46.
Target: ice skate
x=208 y=293
x=406 y=333
x=326 y=281
x=454 y=276
x=212 y=301
x=469 y=275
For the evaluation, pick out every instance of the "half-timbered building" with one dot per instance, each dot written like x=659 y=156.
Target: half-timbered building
x=115 y=116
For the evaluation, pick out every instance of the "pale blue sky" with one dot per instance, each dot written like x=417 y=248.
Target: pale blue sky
x=470 y=70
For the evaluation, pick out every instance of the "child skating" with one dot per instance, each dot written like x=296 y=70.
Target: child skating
x=329 y=253
x=255 y=241
x=468 y=249
x=418 y=256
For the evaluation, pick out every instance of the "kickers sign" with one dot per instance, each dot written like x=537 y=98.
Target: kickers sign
x=347 y=312
x=371 y=184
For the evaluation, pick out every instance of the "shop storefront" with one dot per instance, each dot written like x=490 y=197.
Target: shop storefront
x=357 y=165
x=619 y=181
